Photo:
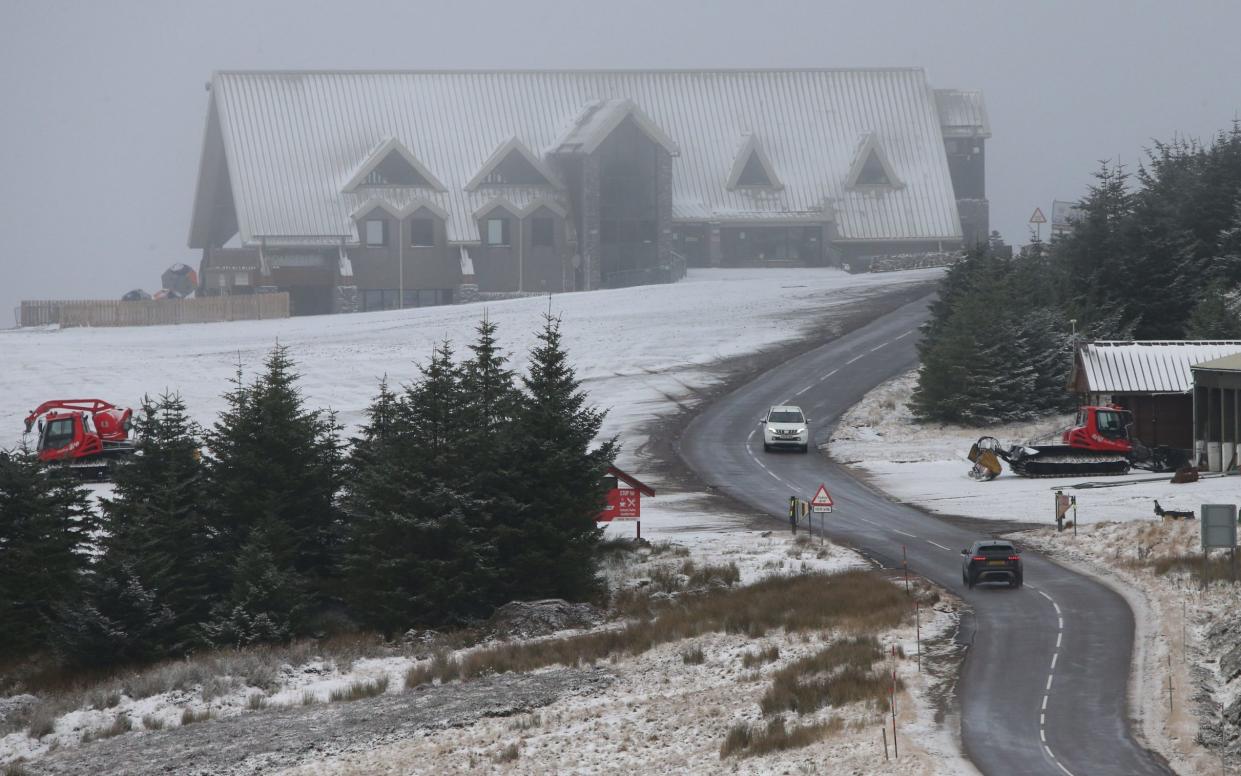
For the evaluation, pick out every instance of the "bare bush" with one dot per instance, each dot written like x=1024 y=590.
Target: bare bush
x=121 y=725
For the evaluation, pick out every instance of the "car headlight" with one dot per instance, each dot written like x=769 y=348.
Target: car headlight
x=800 y=431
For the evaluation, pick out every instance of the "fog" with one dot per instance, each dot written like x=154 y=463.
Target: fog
x=102 y=104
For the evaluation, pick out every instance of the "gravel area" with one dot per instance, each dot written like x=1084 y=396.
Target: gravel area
x=273 y=739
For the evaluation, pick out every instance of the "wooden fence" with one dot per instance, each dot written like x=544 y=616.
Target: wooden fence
x=154 y=312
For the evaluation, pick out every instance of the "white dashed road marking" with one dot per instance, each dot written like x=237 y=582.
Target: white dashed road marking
x=937 y=544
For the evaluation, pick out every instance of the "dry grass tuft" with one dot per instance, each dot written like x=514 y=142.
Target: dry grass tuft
x=105 y=697
x=121 y=725
x=15 y=769
x=527 y=722
x=42 y=720
x=851 y=601
x=152 y=722
x=189 y=716
x=508 y=754
x=356 y=691
x=837 y=675
x=765 y=655
x=256 y=701
x=309 y=698
x=726 y=574
x=1218 y=567
x=693 y=656
x=746 y=740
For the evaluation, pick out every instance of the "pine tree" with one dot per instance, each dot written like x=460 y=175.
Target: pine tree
x=547 y=549
x=418 y=552
x=118 y=620
x=1213 y=317
x=46 y=525
x=157 y=536
x=275 y=466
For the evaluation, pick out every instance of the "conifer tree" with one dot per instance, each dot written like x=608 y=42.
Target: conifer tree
x=157 y=536
x=119 y=619
x=274 y=468
x=547 y=549
x=418 y=552
x=46 y=525
x=1213 y=317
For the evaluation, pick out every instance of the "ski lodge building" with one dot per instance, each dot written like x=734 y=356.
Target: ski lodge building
x=372 y=190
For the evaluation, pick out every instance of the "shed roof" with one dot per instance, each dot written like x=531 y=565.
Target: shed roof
x=292 y=141
x=1146 y=366
x=1225 y=364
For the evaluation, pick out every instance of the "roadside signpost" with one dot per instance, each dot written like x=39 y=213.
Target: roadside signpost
x=822 y=501
x=1219 y=532
x=1038 y=219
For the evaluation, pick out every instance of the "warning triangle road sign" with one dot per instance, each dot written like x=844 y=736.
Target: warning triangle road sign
x=1038 y=217
x=822 y=498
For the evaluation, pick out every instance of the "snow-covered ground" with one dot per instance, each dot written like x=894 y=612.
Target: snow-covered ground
x=642 y=353
x=927 y=465
x=1117 y=542
x=639 y=350
x=660 y=715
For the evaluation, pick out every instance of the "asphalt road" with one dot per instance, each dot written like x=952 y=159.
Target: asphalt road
x=1045 y=679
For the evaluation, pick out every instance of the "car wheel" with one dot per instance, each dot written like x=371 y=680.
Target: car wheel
x=766 y=448
x=805 y=448
x=1020 y=582
x=970 y=583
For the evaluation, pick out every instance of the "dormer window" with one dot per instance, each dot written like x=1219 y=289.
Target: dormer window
x=515 y=169
x=751 y=168
x=871 y=169
x=872 y=172
x=394 y=170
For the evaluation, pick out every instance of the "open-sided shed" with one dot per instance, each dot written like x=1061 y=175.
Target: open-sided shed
x=1151 y=378
x=1217 y=411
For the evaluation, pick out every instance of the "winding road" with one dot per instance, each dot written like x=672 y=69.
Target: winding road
x=1044 y=684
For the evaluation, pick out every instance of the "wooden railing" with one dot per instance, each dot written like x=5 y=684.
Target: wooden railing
x=154 y=312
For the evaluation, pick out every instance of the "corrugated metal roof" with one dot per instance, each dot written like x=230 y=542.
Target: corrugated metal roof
x=962 y=113
x=1225 y=364
x=1149 y=366
x=293 y=140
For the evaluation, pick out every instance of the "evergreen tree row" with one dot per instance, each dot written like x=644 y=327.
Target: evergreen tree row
x=1153 y=256
x=468 y=488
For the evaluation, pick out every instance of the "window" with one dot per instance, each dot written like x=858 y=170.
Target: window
x=753 y=174
x=58 y=434
x=786 y=416
x=872 y=173
x=498 y=231
x=376 y=231
x=422 y=232
x=542 y=232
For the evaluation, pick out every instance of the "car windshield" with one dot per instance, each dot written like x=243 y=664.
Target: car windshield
x=996 y=549
x=58 y=434
x=785 y=416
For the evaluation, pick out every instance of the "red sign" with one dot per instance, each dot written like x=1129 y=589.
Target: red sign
x=623 y=504
x=822 y=498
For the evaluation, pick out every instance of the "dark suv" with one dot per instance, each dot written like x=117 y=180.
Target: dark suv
x=991 y=561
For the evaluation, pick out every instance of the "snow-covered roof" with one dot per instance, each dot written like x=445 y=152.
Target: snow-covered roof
x=1146 y=366
x=962 y=113
x=294 y=143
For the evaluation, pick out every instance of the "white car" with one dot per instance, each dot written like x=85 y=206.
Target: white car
x=786 y=426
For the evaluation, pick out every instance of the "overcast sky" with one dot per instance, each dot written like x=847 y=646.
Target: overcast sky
x=102 y=103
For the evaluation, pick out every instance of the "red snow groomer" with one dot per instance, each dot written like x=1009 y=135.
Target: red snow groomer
x=87 y=435
x=1101 y=442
